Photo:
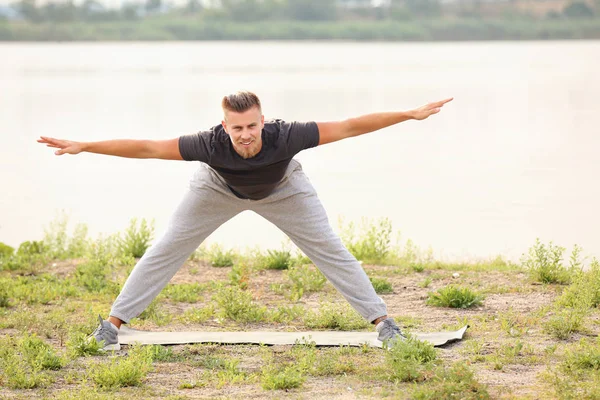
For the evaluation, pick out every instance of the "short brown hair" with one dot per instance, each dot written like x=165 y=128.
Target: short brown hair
x=240 y=102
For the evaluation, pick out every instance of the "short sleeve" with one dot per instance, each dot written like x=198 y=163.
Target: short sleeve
x=301 y=135
x=196 y=147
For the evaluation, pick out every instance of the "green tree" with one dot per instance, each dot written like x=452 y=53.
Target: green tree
x=29 y=10
x=578 y=9
x=249 y=10
x=153 y=5
x=193 y=7
x=427 y=8
x=311 y=10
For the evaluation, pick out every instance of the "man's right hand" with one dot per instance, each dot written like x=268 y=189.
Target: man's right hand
x=63 y=146
x=161 y=149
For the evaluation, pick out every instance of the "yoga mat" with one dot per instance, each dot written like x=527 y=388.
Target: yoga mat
x=321 y=338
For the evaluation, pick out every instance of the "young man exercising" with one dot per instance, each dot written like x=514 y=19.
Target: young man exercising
x=246 y=164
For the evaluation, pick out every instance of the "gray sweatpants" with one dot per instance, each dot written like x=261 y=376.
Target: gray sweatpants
x=293 y=207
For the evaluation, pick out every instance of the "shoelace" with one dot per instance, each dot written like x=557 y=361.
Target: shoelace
x=393 y=328
x=99 y=330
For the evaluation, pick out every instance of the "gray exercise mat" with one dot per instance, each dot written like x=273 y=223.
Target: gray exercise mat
x=321 y=338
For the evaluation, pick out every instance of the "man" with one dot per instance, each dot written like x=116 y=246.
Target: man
x=246 y=164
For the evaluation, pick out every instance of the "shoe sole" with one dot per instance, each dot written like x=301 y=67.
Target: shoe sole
x=111 y=347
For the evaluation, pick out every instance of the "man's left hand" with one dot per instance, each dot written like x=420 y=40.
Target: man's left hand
x=425 y=111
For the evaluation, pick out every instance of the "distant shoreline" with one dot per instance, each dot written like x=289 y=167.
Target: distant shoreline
x=188 y=29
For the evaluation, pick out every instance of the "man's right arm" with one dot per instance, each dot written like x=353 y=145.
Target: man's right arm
x=160 y=149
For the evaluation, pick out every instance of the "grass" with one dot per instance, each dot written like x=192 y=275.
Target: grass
x=49 y=302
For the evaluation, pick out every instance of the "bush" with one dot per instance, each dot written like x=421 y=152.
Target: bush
x=454 y=297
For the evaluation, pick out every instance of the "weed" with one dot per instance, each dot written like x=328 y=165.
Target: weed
x=59 y=245
x=335 y=316
x=475 y=349
x=417 y=267
x=425 y=282
x=237 y=305
x=276 y=378
x=455 y=382
x=24 y=361
x=123 y=371
x=136 y=238
x=198 y=315
x=286 y=314
x=184 y=292
x=305 y=279
x=278 y=259
x=39 y=355
x=41 y=289
x=513 y=323
x=565 y=322
x=544 y=263
x=381 y=285
x=240 y=275
x=373 y=243
x=582 y=356
x=455 y=297
x=4 y=299
x=80 y=345
x=5 y=251
x=584 y=292
x=409 y=359
x=93 y=276
x=220 y=258
x=155 y=313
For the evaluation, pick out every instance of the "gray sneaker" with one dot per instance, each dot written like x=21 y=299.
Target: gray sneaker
x=107 y=335
x=389 y=331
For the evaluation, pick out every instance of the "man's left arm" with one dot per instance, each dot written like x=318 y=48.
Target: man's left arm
x=333 y=131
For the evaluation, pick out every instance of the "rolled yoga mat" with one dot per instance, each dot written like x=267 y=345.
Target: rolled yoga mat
x=320 y=338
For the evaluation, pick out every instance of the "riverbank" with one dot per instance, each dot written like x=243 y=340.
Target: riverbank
x=166 y=28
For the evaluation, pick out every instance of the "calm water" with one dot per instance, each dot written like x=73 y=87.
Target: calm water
x=514 y=157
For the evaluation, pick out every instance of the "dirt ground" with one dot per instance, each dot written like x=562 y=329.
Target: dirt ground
x=505 y=292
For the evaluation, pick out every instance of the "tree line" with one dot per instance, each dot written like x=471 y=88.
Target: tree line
x=249 y=11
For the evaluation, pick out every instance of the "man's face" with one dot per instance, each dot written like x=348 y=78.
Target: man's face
x=245 y=129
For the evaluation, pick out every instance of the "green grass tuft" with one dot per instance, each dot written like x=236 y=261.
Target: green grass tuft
x=455 y=297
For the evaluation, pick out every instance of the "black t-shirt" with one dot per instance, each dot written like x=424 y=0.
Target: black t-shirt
x=256 y=177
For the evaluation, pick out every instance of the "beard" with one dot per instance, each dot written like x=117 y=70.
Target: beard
x=248 y=152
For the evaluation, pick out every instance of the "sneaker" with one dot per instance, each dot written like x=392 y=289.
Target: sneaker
x=107 y=334
x=389 y=331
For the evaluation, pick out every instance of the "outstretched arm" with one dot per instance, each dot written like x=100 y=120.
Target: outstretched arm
x=162 y=149
x=334 y=131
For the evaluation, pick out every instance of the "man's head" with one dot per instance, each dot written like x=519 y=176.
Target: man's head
x=243 y=121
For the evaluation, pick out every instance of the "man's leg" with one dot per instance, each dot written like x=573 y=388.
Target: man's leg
x=297 y=211
x=203 y=209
